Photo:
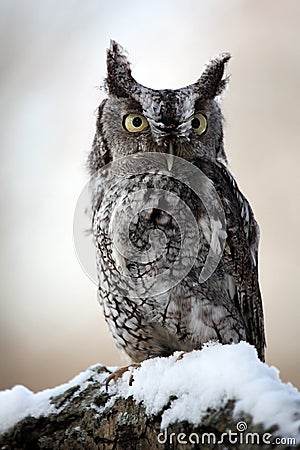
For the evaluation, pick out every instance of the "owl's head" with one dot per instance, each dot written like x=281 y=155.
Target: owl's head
x=186 y=122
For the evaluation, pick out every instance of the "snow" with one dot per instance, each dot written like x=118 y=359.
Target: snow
x=211 y=377
x=19 y=402
x=196 y=381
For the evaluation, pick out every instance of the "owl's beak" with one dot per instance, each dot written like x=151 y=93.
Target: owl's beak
x=170 y=156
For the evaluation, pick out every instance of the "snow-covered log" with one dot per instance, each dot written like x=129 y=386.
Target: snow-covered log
x=219 y=397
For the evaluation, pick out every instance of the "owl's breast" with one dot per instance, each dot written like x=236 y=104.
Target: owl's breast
x=151 y=231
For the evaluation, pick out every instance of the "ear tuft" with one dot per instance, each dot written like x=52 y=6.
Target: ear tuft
x=119 y=79
x=211 y=81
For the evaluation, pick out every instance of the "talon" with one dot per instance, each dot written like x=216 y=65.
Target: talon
x=115 y=375
x=119 y=373
x=179 y=357
x=131 y=379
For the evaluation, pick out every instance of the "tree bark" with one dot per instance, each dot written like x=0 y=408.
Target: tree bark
x=92 y=419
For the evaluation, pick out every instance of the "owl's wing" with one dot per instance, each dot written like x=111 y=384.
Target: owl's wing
x=240 y=252
x=99 y=157
x=100 y=154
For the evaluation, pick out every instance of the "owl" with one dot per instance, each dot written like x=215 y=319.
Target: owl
x=176 y=240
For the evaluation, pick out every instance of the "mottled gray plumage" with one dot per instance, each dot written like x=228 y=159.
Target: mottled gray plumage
x=147 y=320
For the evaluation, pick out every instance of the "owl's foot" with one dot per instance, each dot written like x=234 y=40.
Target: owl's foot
x=179 y=357
x=119 y=373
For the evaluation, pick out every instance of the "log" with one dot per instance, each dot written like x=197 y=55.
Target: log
x=84 y=415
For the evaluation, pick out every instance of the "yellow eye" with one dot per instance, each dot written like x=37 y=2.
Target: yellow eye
x=199 y=123
x=135 y=123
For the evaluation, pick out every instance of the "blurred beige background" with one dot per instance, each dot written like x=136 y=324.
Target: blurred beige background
x=52 y=61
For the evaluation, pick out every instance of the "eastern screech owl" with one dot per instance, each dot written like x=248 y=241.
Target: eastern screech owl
x=176 y=241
